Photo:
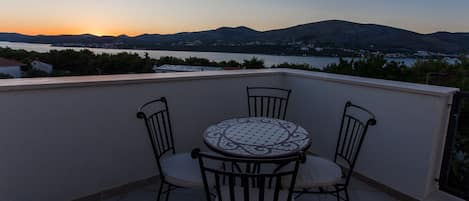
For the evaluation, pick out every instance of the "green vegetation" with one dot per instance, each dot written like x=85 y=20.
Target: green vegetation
x=296 y=66
x=459 y=165
x=4 y=76
x=85 y=62
x=454 y=75
x=253 y=63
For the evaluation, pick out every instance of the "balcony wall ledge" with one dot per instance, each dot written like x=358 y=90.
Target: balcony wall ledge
x=376 y=83
x=95 y=80
x=83 y=81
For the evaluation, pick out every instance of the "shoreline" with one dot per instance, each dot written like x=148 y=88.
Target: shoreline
x=215 y=52
x=269 y=59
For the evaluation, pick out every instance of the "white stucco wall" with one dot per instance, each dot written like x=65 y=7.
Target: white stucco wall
x=400 y=151
x=64 y=138
x=14 y=71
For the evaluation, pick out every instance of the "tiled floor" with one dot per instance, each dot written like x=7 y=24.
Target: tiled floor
x=359 y=191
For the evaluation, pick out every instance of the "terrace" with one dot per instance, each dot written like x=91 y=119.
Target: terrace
x=68 y=138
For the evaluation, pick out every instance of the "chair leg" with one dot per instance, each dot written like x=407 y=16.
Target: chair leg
x=346 y=195
x=337 y=195
x=169 y=191
x=160 y=190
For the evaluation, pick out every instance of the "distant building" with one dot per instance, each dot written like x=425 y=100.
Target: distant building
x=395 y=55
x=422 y=53
x=194 y=43
x=41 y=66
x=10 y=67
x=183 y=68
x=318 y=49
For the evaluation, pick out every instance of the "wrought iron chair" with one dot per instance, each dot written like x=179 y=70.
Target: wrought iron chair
x=268 y=102
x=176 y=170
x=245 y=184
x=322 y=176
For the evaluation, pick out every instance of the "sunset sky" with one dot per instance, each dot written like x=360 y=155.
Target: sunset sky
x=134 y=17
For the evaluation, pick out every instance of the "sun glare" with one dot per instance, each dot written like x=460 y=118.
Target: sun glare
x=97 y=33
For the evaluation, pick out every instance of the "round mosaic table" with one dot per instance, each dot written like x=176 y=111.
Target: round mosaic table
x=257 y=137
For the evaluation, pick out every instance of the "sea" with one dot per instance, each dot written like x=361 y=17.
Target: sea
x=269 y=60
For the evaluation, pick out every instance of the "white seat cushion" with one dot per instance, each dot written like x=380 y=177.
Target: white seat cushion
x=182 y=170
x=253 y=194
x=318 y=172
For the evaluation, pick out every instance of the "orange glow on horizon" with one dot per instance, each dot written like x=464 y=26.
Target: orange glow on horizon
x=75 y=31
x=136 y=17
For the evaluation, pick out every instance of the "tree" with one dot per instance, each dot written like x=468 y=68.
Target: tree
x=296 y=66
x=5 y=76
x=253 y=63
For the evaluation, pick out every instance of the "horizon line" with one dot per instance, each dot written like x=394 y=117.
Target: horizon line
x=240 y=26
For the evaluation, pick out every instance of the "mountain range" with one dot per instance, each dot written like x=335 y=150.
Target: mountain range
x=331 y=33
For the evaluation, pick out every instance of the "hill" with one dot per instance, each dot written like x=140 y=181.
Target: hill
x=332 y=34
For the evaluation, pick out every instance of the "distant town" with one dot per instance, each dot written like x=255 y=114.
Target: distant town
x=291 y=48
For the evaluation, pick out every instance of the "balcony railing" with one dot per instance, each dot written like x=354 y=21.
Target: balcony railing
x=454 y=177
x=65 y=138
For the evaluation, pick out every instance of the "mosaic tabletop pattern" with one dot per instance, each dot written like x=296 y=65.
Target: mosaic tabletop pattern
x=257 y=137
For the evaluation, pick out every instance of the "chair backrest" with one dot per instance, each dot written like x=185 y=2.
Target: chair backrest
x=155 y=114
x=268 y=102
x=248 y=179
x=353 y=129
